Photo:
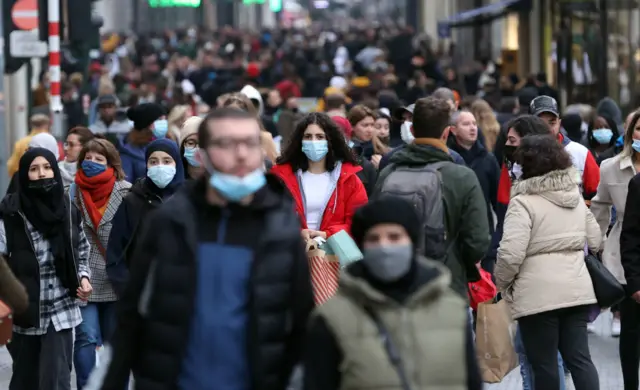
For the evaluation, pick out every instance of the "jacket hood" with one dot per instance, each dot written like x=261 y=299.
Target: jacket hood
x=433 y=278
x=419 y=154
x=253 y=94
x=134 y=152
x=607 y=107
x=561 y=187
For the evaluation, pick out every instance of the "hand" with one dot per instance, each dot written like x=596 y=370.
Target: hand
x=636 y=296
x=308 y=234
x=375 y=160
x=318 y=233
x=85 y=289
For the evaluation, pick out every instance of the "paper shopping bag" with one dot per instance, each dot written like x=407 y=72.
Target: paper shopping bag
x=342 y=245
x=325 y=270
x=494 y=341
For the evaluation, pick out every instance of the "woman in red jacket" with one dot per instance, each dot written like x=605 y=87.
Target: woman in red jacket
x=319 y=170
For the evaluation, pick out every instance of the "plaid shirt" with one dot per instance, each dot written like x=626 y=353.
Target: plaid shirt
x=56 y=305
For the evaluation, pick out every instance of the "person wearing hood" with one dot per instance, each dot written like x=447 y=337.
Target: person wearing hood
x=381 y=297
x=601 y=137
x=608 y=108
x=40 y=140
x=540 y=269
x=97 y=192
x=77 y=138
x=48 y=252
x=256 y=98
x=165 y=175
x=149 y=122
x=193 y=168
x=482 y=162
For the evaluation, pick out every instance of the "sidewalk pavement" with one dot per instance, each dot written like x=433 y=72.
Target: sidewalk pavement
x=604 y=350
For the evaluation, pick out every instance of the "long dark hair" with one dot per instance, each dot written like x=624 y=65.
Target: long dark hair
x=338 y=148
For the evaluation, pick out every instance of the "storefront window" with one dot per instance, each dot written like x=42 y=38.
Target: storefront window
x=576 y=61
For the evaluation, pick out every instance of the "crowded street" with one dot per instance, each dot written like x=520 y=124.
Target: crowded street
x=319 y=195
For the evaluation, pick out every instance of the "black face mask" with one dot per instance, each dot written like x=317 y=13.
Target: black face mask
x=509 y=151
x=43 y=186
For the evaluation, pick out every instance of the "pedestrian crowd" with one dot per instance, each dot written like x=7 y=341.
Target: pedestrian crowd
x=201 y=232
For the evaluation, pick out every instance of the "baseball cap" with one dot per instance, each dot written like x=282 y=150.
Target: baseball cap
x=543 y=104
x=397 y=113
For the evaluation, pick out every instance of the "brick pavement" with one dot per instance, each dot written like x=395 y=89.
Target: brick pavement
x=604 y=350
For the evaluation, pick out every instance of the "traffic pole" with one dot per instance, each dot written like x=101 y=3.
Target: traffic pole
x=55 y=101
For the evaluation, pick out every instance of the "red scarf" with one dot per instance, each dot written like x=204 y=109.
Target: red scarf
x=96 y=192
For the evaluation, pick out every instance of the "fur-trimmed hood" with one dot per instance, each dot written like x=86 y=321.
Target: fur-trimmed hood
x=560 y=187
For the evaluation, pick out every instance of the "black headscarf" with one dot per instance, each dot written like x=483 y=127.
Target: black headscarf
x=42 y=203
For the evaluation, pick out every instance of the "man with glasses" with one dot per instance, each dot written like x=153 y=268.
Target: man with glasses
x=221 y=294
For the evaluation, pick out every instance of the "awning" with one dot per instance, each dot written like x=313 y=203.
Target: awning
x=482 y=15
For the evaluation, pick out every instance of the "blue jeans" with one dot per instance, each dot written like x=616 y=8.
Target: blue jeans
x=98 y=324
x=525 y=367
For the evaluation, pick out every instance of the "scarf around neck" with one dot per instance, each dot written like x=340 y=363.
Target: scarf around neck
x=96 y=192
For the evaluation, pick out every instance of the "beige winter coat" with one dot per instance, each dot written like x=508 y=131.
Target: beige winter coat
x=540 y=264
x=615 y=174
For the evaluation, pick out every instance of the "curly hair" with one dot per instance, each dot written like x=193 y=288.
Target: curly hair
x=338 y=148
x=541 y=154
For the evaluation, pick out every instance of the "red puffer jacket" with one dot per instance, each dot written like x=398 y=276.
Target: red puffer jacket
x=345 y=199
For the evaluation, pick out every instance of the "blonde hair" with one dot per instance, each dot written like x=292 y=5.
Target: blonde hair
x=627 y=150
x=39 y=120
x=487 y=122
x=105 y=86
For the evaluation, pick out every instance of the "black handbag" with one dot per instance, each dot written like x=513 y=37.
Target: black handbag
x=607 y=288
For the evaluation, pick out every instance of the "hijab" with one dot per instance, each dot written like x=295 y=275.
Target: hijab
x=43 y=204
x=171 y=148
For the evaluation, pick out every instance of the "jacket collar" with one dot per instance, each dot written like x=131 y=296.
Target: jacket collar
x=436 y=143
x=626 y=162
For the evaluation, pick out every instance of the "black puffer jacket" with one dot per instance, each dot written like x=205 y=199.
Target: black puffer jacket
x=163 y=286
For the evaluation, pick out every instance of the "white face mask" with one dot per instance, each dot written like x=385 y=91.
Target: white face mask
x=406 y=134
x=516 y=172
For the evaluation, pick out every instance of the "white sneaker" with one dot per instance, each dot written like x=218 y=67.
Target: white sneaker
x=615 y=327
x=591 y=327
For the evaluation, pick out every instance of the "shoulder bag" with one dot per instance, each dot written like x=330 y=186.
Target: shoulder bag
x=607 y=288
x=392 y=352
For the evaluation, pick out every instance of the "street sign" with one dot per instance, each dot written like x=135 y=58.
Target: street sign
x=26 y=44
x=25 y=14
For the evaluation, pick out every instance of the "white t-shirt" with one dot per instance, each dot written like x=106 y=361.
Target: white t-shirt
x=315 y=187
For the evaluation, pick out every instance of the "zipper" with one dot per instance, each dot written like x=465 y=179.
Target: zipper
x=334 y=185
x=33 y=248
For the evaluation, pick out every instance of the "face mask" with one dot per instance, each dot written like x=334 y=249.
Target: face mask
x=508 y=152
x=515 y=172
x=92 y=168
x=406 y=134
x=190 y=156
x=236 y=188
x=161 y=175
x=602 y=136
x=636 y=145
x=43 y=185
x=160 y=128
x=315 y=150
x=388 y=263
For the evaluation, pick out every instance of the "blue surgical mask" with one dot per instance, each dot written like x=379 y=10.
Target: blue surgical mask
x=315 y=150
x=602 y=136
x=161 y=175
x=92 y=168
x=236 y=188
x=160 y=128
x=190 y=156
x=636 y=145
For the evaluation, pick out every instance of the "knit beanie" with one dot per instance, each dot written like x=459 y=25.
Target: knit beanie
x=189 y=127
x=386 y=210
x=145 y=114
